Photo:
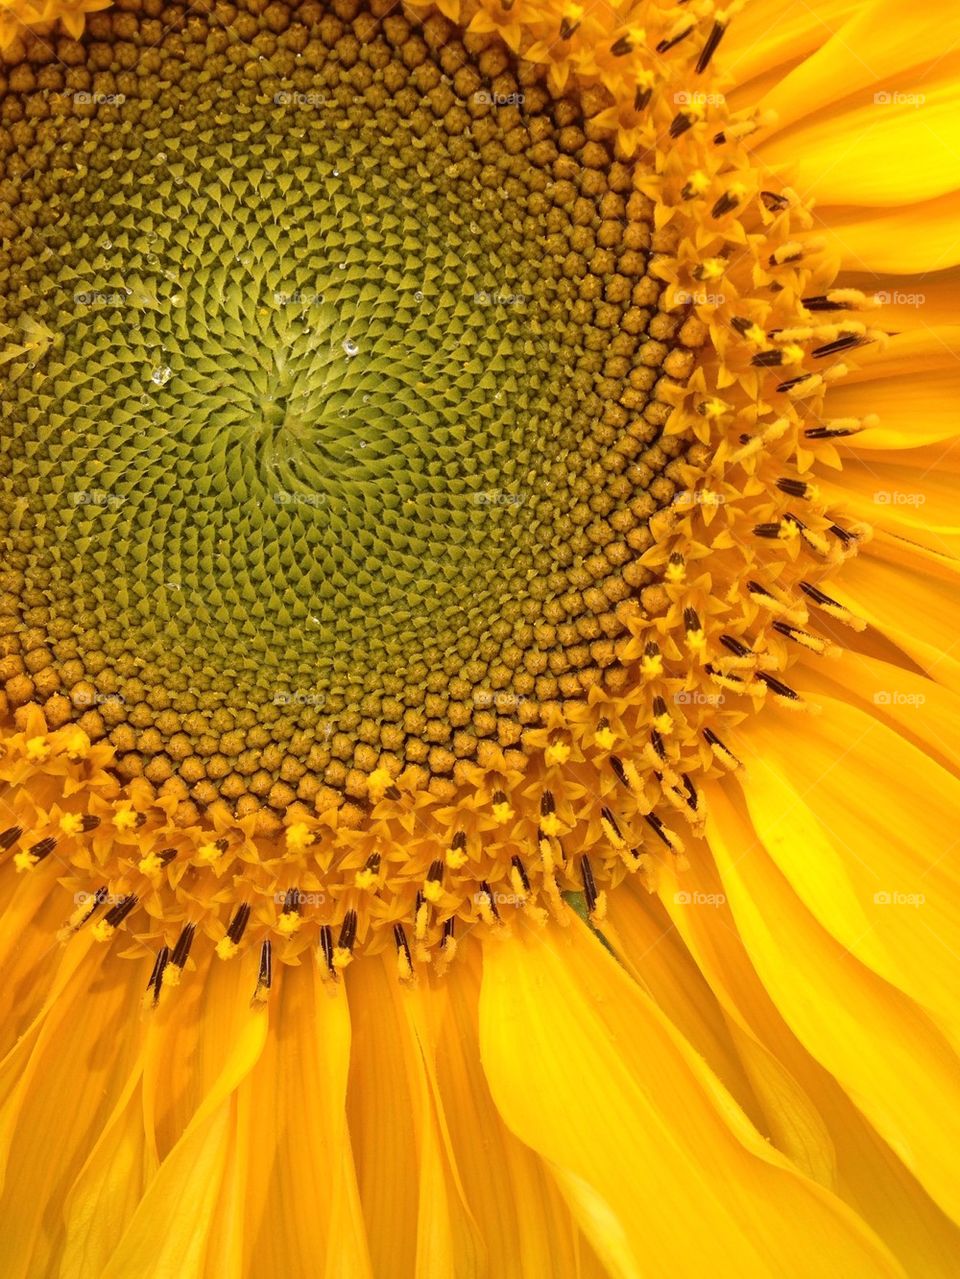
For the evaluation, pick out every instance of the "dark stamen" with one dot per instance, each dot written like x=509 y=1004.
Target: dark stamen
x=773 y=201
x=239 y=923
x=348 y=931
x=265 y=973
x=43 y=848
x=641 y=99
x=517 y=865
x=735 y=647
x=844 y=535
x=710 y=48
x=693 y=799
x=711 y=737
x=822 y=303
x=680 y=124
x=666 y=45
x=156 y=975
x=403 y=946
x=181 y=952
x=117 y=914
x=656 y=825
x=777 y=686
x=724 y=205
x=846 y=343
x=488 y=893
x=829 y=432
x=589 y=884
x=326 y=948
x=608 y=817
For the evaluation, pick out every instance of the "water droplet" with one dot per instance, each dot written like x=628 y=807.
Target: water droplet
x=418 y=296
x=344 y=412
x=161 y=375
x=350 y=347
x=152 y=259
x=343 y=266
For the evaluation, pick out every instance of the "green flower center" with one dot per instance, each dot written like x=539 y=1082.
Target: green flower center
x=336 y=382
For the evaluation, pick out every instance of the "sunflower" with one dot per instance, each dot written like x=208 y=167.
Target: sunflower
x=479 y=563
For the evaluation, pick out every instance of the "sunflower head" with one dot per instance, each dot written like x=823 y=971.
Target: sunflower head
x=409 y=475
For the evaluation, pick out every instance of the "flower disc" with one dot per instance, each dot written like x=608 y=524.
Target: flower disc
x=337 y=391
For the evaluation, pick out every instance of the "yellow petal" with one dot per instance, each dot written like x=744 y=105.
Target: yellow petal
x=67 y=1076
x=517 y=1208
x=161 y=1238
x=664 y=1173
x=809 y=1115
x=860 y=823
x=880 y=1047
x=645 y=940
x=301 y=1202
x=910 y=597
